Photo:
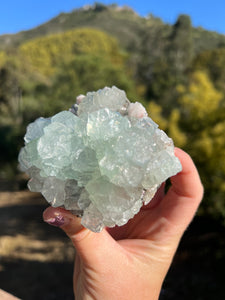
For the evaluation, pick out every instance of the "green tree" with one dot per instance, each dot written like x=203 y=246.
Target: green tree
x=3 y=57
x=153 y=69
x=180 y=49
x=46 y=53
x=18 y=83
x=202 y=120
x=10 y=92
x=171 y=124
x=213 y=63
x=152 y=48
x=154 y=110
x=166 y=57
x=87 y=73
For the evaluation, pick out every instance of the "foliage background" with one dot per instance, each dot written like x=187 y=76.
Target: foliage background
x=177 y=72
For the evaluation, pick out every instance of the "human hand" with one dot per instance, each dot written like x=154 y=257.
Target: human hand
x=131 y=261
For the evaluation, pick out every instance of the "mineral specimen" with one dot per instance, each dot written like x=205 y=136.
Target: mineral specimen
x=103 y=159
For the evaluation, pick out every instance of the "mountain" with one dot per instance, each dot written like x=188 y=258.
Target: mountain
x=121 y=22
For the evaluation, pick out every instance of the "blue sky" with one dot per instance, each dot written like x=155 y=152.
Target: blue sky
x=17 y=15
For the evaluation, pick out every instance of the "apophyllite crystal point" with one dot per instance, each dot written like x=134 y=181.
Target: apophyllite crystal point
x=102 y=159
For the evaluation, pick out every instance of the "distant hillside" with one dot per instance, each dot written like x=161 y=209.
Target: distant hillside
x=121 y=22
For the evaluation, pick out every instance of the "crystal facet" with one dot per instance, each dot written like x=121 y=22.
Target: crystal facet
x=103 y=159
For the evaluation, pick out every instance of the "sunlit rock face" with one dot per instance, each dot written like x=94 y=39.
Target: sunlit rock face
x=103 y=159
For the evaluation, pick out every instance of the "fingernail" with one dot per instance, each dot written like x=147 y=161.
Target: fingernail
x=56 y=221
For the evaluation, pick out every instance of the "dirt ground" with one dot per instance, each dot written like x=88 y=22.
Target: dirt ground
x=36 y=260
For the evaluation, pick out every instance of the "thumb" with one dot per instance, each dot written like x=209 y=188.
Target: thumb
x=90 y=246
x=183 y=198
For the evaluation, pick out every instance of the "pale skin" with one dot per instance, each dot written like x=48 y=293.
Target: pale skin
x=131 y=262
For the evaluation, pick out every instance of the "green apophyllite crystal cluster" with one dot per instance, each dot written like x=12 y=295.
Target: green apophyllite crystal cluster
x=102 y=159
